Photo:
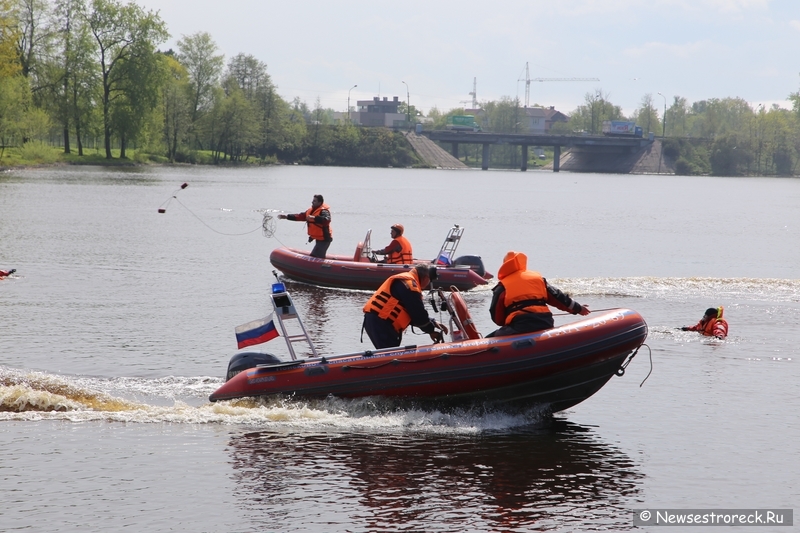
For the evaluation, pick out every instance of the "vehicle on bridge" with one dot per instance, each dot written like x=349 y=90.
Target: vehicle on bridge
x=462 y=123
x=622 y=127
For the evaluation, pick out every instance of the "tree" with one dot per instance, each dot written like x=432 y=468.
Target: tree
x=731 y=155
x=34 y=37
x=198 y=54
x=679 y=114
x=9 y=36
x=122 y=33
x=647 y=115
x=176 y=106
x=590 y=116
x=15 y=97
x=68 y=93
x=142 y=75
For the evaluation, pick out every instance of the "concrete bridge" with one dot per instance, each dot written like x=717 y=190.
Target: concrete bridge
x=591 y=144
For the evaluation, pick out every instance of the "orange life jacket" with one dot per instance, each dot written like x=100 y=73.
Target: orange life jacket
x=315 y=231
x=716 y=327
x=404 y=256
x=387 y=306
x=525 y=292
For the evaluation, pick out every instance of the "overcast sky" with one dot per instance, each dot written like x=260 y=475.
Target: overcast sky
x=697 y=49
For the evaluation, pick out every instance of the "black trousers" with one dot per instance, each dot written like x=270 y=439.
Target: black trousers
x=381 y=332
x=320 y=249
x=525 y=323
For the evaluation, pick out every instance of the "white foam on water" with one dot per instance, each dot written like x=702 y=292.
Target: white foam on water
x=39 y=396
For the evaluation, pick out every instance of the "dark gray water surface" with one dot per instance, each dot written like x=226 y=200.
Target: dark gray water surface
x=119 y=323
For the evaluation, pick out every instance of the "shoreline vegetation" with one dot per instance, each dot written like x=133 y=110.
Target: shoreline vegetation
x=85 y=82
x=382 y=147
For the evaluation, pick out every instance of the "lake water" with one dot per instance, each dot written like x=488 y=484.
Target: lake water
x=119 y=323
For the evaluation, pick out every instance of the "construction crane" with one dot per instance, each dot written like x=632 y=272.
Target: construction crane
x=528 y=81
x=474 y=93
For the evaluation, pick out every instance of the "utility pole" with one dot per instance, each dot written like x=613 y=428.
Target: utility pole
x=408 y=105
x=348 y=102
x=474 y=93
x=664 y=121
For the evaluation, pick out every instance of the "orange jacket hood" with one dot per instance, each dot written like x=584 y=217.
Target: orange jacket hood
x=512 y=262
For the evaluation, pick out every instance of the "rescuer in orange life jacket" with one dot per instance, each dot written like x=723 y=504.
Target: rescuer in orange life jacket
x=397 y=304
x=712 y=324
x=520 y=299
x=318 y=219
x=399 y=250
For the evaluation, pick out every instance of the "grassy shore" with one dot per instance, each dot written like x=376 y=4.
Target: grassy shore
x=36 y=154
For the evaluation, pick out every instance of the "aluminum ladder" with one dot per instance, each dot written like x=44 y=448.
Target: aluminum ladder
x=447 y=253
x=286 y=311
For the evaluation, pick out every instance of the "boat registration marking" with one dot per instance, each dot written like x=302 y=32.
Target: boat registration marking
x=262 y=379
x=593 y=323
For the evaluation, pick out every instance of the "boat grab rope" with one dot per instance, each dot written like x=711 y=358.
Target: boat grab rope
x=590 y=311
x=621 y=370
x=444 y=355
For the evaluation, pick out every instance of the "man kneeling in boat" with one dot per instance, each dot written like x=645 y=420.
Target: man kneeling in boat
x=397 y=304
x=399 y=250
x=712 y=324
x=520 y=299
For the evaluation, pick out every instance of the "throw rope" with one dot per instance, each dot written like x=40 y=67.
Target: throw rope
x=621 y=369
x=267 y=227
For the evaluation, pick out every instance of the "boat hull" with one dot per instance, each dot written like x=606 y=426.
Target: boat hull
x=558 y=368
x=344 y=273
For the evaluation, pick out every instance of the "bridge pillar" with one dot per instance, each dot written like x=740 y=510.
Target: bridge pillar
x=524 y=148
x=556 y=157
x=485 y=157
x=454 y=149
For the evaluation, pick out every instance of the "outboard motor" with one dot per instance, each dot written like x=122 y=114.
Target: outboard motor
x=472 y=261
x=247 y=360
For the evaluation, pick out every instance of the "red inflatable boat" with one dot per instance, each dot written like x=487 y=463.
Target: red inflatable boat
x=557 y=368
x=362 y=271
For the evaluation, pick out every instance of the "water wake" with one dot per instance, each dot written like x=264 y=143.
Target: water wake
x=32 y=396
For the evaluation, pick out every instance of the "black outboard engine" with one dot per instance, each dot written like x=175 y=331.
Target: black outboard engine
x=247 y=360
x=472 y=261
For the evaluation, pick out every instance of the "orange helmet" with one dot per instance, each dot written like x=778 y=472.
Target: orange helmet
x=398 y=228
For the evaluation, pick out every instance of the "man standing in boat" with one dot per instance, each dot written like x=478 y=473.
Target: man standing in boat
x=712 y=324
x=399 y=250
x=397 y=304
x=318 y=219
x=520 y=300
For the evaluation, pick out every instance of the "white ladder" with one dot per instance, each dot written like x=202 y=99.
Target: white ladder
x=447 y=253
x=285 y=311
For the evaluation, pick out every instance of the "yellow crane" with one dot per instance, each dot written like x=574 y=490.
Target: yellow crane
x=528 y=81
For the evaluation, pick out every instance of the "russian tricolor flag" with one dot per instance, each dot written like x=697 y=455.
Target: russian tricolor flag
x=256 y=332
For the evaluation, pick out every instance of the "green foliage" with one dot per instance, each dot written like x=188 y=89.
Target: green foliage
x=355 y=146
x=690 y=155
x=590 y=116
x=731 y=155
x=39 y=153
x=15 y=98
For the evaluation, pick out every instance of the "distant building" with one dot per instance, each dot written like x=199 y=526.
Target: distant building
x=377 y=112
x=551 y=116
